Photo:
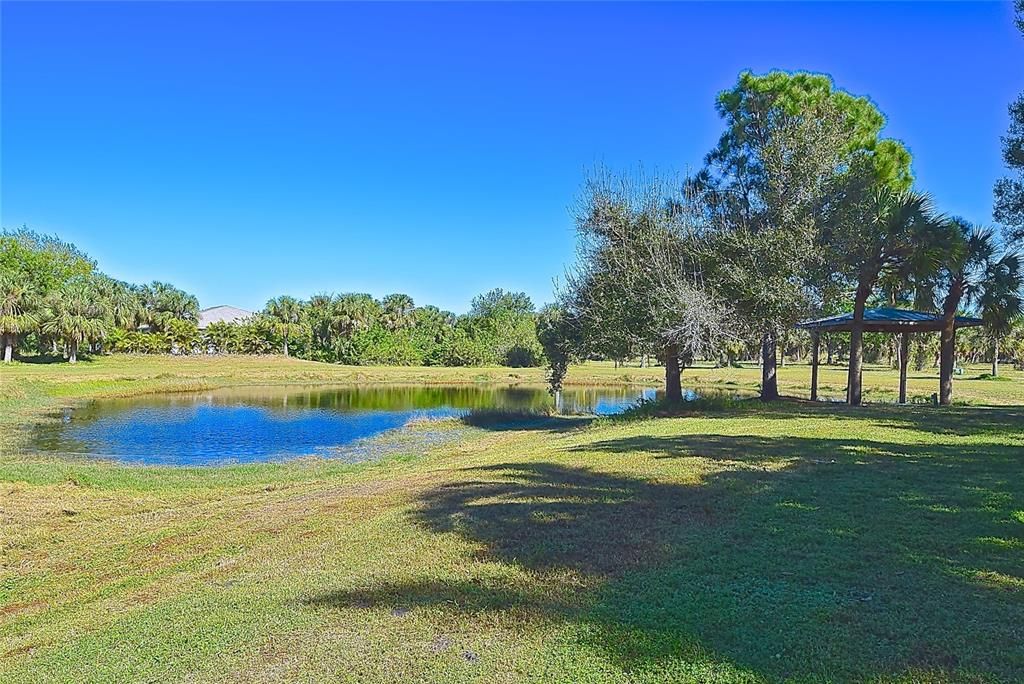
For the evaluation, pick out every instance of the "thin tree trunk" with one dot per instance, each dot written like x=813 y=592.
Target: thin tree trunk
x=8 y=347
x=995 y=358
x=673 y=385
x=73 y=352
x=286 y=347
x=947 y=351
x=854 y=379
x=815 y=343
x=769 y=358
x=904 y=350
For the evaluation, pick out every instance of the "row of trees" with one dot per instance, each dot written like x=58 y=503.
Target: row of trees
x=802 y=209
x=54 y=300
x=500 y=329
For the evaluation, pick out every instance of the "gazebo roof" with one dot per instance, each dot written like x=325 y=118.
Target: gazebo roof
x=888 y=320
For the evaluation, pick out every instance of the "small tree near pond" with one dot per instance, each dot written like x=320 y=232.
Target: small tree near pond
x=638 y=286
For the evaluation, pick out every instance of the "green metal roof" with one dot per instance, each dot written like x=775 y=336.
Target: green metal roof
x=888 y=320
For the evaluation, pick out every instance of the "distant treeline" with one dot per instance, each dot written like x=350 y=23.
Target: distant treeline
x=55 y=301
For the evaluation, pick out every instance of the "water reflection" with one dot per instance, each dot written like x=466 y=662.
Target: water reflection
x=248 y=424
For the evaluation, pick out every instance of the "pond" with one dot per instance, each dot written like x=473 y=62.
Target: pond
x=251 y=424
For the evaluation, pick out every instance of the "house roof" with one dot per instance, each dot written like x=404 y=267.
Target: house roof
x=888 y=320
x=222 y=314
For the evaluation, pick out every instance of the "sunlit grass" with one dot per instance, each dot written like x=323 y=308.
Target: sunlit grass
x=737 y=543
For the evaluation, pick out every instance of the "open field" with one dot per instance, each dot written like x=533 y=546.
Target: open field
x=791 y=542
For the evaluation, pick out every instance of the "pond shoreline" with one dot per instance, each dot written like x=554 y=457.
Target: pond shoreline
x=35 y=393
x=272 y=423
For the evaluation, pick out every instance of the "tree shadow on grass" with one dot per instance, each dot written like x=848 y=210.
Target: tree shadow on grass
x=789 y=558
x=47 y=359
x=502 y=420
x=964 y=421
x=961 y=421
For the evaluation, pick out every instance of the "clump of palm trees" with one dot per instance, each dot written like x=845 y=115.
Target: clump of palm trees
x=17 y=314
x=75 y=315
x=53 y=300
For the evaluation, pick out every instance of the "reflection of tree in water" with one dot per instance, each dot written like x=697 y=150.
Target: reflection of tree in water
x=373 y=398
x=253 y=423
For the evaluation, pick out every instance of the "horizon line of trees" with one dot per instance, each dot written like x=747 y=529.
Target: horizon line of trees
x=55 y=301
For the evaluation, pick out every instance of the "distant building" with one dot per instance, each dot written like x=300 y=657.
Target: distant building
x=223 y=314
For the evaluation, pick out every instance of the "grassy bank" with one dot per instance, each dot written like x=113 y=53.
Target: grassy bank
x=792 y=542
x=30 y=390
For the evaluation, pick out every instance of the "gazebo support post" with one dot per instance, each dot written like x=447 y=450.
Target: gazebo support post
x=901 y=322
x=904 y=360
x=815 y=342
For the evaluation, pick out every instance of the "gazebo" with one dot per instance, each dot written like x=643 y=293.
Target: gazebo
x=887 y=320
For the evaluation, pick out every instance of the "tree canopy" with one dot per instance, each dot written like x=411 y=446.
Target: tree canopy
x=1009 y=190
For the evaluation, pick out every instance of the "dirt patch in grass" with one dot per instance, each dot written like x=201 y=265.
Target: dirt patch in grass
x=23 y=607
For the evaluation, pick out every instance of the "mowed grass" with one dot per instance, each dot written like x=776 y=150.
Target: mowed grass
x=792 y=542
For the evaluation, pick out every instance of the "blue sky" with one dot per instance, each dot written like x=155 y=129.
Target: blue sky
x=247 y=150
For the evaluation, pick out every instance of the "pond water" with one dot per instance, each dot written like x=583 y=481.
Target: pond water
x=250 y=424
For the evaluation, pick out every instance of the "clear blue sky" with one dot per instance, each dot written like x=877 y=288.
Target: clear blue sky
x=246 y=150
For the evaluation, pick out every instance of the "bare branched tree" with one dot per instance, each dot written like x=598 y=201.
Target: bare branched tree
x=638 y=286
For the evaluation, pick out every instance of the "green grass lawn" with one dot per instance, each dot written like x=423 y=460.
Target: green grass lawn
x=791 y=542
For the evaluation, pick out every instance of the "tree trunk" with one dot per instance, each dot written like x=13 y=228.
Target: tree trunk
x=815 y=343
x=286 y=347
x=673 y=385
x=947 y=358
x=8 y=347
x=769 y=378
x=904 y=350
x=854 y=378
x=73 y=352
x=995 y=358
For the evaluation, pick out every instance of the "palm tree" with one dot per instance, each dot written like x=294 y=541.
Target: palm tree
x=122 y=302
x=962 y=279
x=221 y=337
x=287 y=314
x=16 y=316
x=398 y=311
x=163 y=302
x=900 y=235
x=355 y=312
x=320 y=312
x=75 y=315
x=1001 y=301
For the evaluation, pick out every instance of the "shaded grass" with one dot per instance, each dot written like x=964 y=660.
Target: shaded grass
x=740 y=543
